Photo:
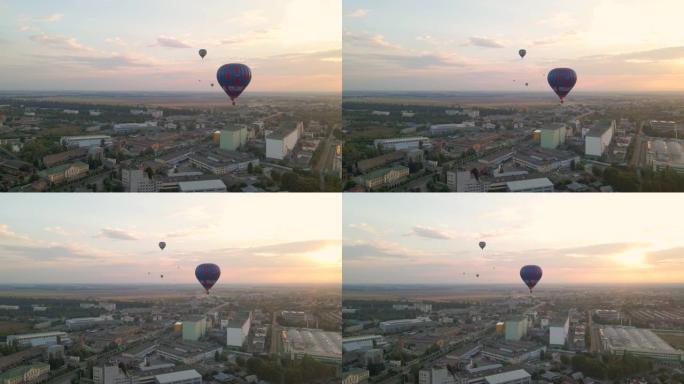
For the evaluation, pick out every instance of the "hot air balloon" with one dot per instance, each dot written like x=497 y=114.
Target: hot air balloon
x=162 y=276
x=561 y=81
x=526 y=84
x=478 y=275
x=531 y=274
x=202 y=53
x=482 y=245
x=522 y=53
x=162 y=245
x=212 y=84
x=233 y=78
x=207 y=275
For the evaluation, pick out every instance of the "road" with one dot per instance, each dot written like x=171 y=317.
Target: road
x=275 y=335
x=637 y=154
x=64 y=378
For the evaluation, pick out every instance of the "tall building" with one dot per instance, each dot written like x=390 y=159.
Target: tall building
x=136 y=180
x=599 y=138
x=194 y=328
x=237 y=329
x=233 y=138
x=554 y=136
x=280 y=143
x=109 y=374
x=558 y=331
x=516 y=329
x=434 y=375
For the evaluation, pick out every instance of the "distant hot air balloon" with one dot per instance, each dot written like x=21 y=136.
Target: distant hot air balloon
x=531 y=274
x=162 y=245
x=478 y=275
x=202 y=53
x=561 y=81
x=233 y=78
x=212 y=84
x=522 y=53
x=482 y=245
x=207 y=275
x=526 y=84
x=162 y=276
x=148 y=273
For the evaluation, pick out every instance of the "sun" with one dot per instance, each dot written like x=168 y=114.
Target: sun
x=633 y=258
x=328 y=256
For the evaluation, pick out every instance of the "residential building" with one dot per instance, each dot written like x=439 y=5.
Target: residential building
x=599 y=138
x=194 y=328
x=515 y=329
x=385 y=177
x=237 y=329
x=65 y=172
x=279 y=144
x=233 y=138
x=553 y=136
x=26 y=374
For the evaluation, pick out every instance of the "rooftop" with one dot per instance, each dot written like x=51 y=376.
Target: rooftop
x=507 y=376
x=178 y=376
x=632 y=338
x=521 y=185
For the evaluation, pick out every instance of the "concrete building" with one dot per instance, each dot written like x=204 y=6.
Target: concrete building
x=400 y=143
x=233 y=138
x=321 y=345
x=26 y=374
x=137 y=180
x=516 y=329
x=356 y=376
x=558 y=331
x=662 y=154
x=350 y=344
x=37 y=339
x=109 y=374
x=530 y=185
x=181 y=377
x=86 y=322
x=280 y=143
x=599 y=138
x=619 y=340
x=464 y=181
x=65 y=172
x=224 y=162
x=132 y=127
x=188 y=352
x=194 y=328
x=545 y=160
x=237 y=329
x=385 y=177
x=215 y=185
x=443 y=129
x=403 y=324
x=512 y=352
x=86 y=141
x=553 y=136
x=434 y=375
x=519 y=376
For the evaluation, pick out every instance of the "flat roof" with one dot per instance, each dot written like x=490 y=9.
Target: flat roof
x=599 y=128
x=178 y=376
x=521 y=185
x=32 y=335
x=507 y=376
x=637 y=339
x=314 y=341
x=201 y=185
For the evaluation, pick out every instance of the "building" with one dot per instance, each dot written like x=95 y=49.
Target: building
x=662 y=154
x=516 y=329
x=366 y=342
x=86 y=141
x=280 y=143
x=619 y=340
x=530 y=185
x=545 y=160
x=132 y=127
x=223 y=162
x=607 y=315
x=26 y=374
x=558 y=332
x=181 y=377
x=385 y=177
x=512 y=352
x=194 y=328
x=233 y=138
x=188 y=352
x=61 y=157
x=86 y=322
x=137 y=180
x=460 y=180
x=433 y=375
x=403 y=324
x=400 y=143
x=215 y=185
x=65 y=172
x=519 y=376
x=109 y=374
x=237 y=329
x=442 y=129
x=294 y=316
x=36 y=339
x=599 y=138
x=321 y=345
x=553 y=136
x=379 y=161
x=356 y=376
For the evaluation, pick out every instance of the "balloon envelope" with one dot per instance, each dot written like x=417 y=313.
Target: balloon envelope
x=522 y=53
x=531 y=274
x=207 y=274
x=562 y=80
x=162 y=245
x=202 y=53
x=233 y=78
x=482 y=244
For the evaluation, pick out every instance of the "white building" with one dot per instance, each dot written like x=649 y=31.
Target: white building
x=86 y=141
x=86 y=322
x=237 y=330
x=400 y=143
x=519 y=376
x=280 y=144
x=558 y=332
x=364 y=342
x=36 y=339
x=137 y=180
x=434 y=375
x=531 y=185
x=599 y=138
x=181 y=377
x=109 y=374
x=440 y=129
x=129 y=127
x=399 y=325
x=202 y=186
x=464 y=181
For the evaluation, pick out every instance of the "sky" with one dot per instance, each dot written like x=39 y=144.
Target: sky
x=586 y=239
x=472 y=45
x=81 y=238
x=152 y=45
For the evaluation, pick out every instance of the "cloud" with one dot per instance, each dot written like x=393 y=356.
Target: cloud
x=359 y=12
x=201 y=229
x=52 y=18
x=364 y=227
x=249 y=17
x=486 y=42
x=559 y=20
x=245 y=38
x=7 y=233
x=68 y=43
x=117 y=234
x=45 y=253
x=109 y=62
x=171 y=42
x=556 y=39
x=57 y=230
x=372 y=40
x=429 y=233
x=116 y=41
x=376 y=251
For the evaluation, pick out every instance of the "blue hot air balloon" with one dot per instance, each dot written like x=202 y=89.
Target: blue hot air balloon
x=531 y=274
x=561 y=81
x=234 y=78
x=207 y=274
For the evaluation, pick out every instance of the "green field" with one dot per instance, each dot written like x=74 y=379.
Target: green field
x=674 y=339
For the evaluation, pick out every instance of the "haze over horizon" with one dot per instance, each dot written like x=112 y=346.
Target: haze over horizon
x=153 y=45
x=106 y=239
x=583 y=240
x=470 y=45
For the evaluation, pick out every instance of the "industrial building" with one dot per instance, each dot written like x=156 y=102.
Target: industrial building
x=400 y=325
x=516 y=329
x=237 y=329
x=214 y=185
x=512 y=352
x=280 y=143
x=519 y=376
x=402 y=143
x=365 y=342
x=542 y=184
x=87 y=322
x=321 y=345
x=194 y=328
x=599 y=138
x=181 y=377
x=86 y=141
x=553 y=136
x=638 y=342
x=188 y=352
x=233 y=138
x=224 y=162
x=37 y=339
x=663 y=154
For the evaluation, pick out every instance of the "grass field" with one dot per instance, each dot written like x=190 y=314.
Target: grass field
x=676 y=340
x=11 y=327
